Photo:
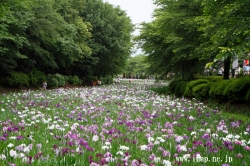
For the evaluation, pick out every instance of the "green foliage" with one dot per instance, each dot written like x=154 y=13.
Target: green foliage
x=237 y=89
x=166 y=40
x=189 y=89
x=233 y=90
x=111 y=37
x=201 y=91
x=247 y=98
x=110 y=80
x=36 y=77
x=137 y=66
x=209 y=78
x=217 y=89
x=180 y=88
x=18 y=79
x=74 y=80
x=61 y=79
x=229 y=38
x=172 y=85
x=106 y=80
x=92 y=78
x=13 y=24
x=52 y=81
x=161 y=90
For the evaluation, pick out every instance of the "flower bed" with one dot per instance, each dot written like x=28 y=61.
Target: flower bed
x=116 y=125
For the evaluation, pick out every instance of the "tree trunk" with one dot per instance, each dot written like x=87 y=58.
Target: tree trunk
x=226 y=68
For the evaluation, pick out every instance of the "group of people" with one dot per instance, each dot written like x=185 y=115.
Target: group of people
x=98 y=82
x=245 y=70
x=93 y=83
x=118 y=81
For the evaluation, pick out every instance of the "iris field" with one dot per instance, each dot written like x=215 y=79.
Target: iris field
x=117 y=125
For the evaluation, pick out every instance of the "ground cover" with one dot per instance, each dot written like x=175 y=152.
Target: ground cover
x=120 y=124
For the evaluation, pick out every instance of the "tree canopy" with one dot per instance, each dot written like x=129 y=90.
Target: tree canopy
x=137 y=66
x=186 y=34
x=111 y=37
x=81 y=37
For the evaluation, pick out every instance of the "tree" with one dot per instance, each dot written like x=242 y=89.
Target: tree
x=74 y=44
x=225 y=23
x=172 y=38
x=137 y=66
x=111 y=37
x=13 y=23
x=57 y=36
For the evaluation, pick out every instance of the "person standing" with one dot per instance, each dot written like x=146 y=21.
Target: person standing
x=220 y=72
x=118 y=81
x=44 y=85
x=99 y=83
x=234 y=67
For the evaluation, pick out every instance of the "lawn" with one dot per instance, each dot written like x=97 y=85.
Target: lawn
x=117 y=125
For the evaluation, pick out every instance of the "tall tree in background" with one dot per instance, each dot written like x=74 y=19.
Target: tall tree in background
x=3 y=7
x=74 y=44
x=158 y=51
x=13 y=23
x=186 y=34
x=226 y=24
x=171 y=39
x=137 y=66
x=57 y=35
x=111 y=37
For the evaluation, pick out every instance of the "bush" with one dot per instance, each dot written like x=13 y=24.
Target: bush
x=109 y=80
x=106 y=80
x=247 y=97
x=180 y=88
x=36 y=78
x=217 y=89
x=209 y=78
x=189 y=89
x=18 y=79
x=74 y=80
x=201 y=91
x=61 y=79
x=161 y=90
x=172 y=85
x=52 y=81
x=237 y=89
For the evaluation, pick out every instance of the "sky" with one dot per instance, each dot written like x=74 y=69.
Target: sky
x=138 y=10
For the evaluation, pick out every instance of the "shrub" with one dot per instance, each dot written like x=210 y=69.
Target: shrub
x=106 y=80
x=209 y=78
x=191 y=85
x=161 y=90
x=247 y=97
x=172 y=85
x=217 y=89
x=180 y=88
x=52 y=81
x=237 y=89
x=18 y=79
x=202 y=91
x=109 y=80
x=66 y=79
x=36 y=78
x=74 y=80
x=61 y=79
x=103 y=80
